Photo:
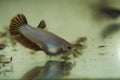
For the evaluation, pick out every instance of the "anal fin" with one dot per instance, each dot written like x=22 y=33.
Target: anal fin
x=27 y=43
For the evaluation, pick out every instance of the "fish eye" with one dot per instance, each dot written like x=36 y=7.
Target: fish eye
x=69 y=47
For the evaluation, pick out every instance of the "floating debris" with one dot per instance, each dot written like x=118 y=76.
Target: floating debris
x=79 y=46
x=2 y=46
x=81 y=39
x=4 y=60
x=3 y=34
x=65 y=58
x=102 y=46
x=5 y=71
x=101 y=53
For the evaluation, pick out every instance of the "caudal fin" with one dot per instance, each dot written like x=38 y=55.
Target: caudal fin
x=16 y=22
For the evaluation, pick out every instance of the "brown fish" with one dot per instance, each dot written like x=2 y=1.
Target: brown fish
x=37 y=38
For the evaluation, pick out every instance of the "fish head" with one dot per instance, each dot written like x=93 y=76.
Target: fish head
x=66 y=47
x=53 y=50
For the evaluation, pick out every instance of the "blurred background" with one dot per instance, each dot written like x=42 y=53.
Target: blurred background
x=97 y=20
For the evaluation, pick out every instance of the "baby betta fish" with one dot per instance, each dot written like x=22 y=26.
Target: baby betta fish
x=37 y=38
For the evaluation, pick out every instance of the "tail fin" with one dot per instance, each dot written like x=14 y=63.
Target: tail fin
x=16 y=22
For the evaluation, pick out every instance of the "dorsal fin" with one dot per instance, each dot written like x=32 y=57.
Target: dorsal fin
x=42 y=24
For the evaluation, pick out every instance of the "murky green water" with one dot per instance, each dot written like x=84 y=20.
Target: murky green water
x=69 y=19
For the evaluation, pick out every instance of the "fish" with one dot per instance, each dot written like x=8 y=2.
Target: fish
x=37 y=39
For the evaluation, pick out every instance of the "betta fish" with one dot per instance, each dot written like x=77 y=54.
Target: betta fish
x=37 y=38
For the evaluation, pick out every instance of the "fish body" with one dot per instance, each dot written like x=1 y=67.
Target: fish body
x=37 y=38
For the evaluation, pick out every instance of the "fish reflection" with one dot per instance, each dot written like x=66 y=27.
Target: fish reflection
x=51 y=70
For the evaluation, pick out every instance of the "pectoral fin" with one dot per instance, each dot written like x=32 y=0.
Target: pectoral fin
x=42 y=24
